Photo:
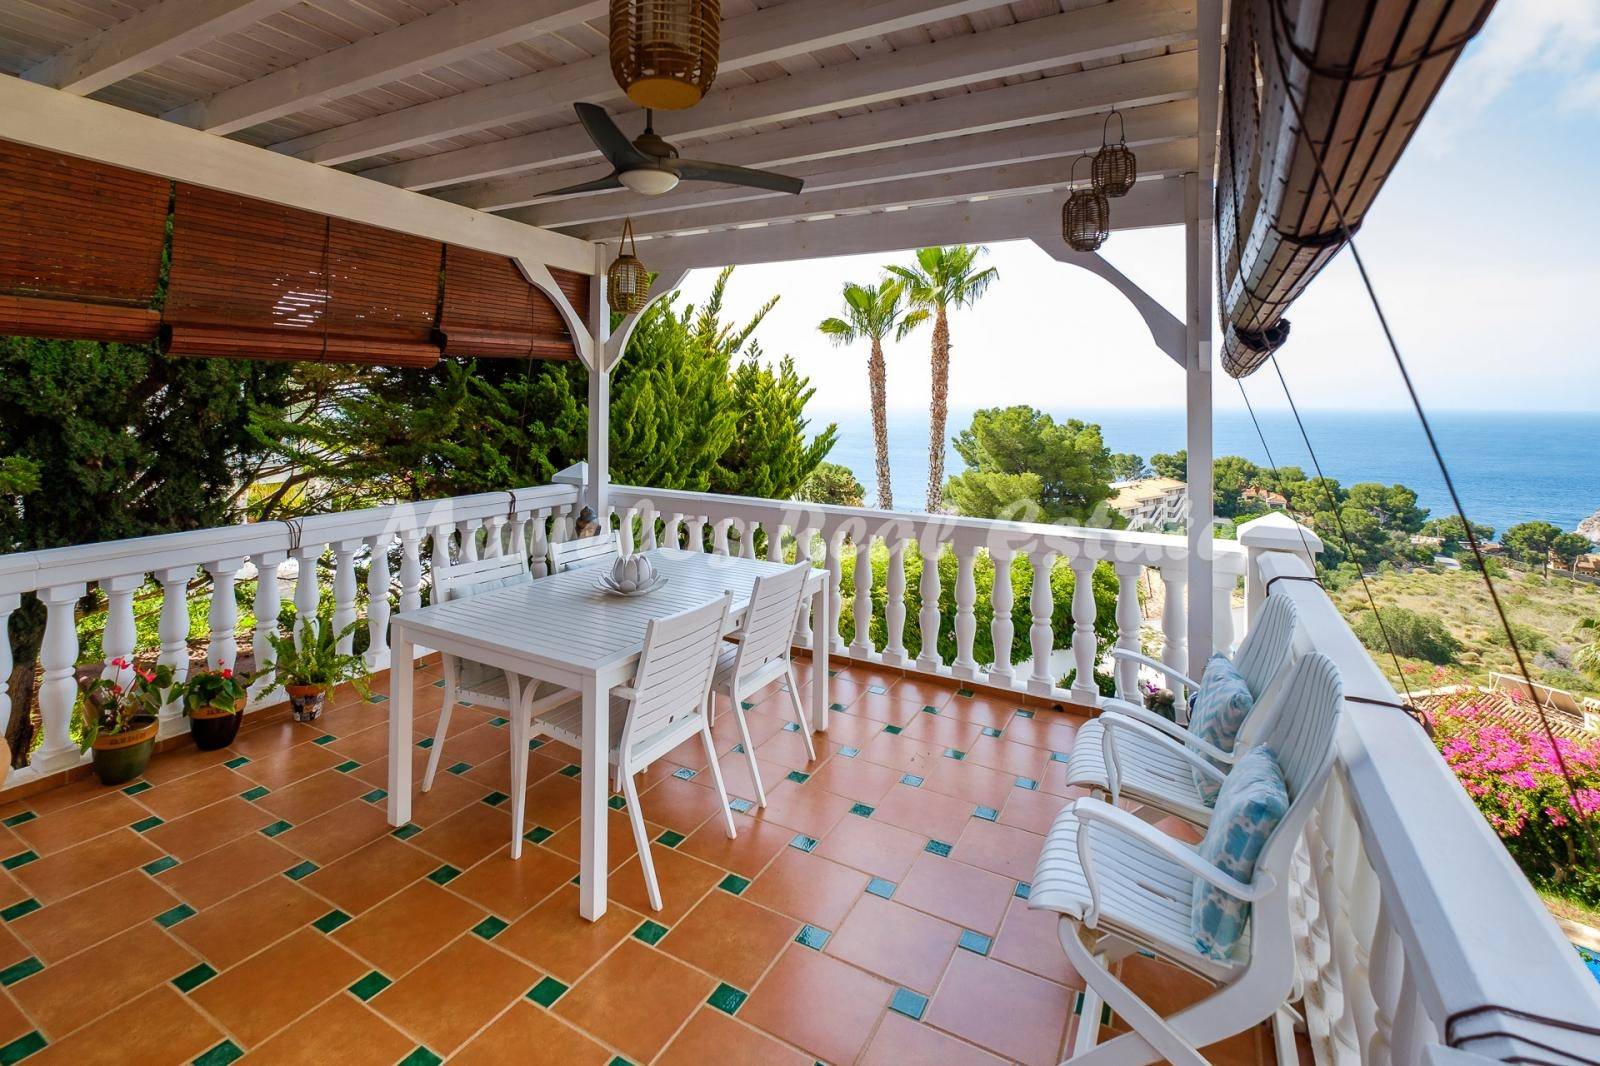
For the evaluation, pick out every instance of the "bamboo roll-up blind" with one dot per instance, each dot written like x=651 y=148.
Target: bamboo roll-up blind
x=491 y=311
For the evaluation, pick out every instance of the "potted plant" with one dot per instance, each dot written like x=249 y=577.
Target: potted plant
x=120 y=721
x=1159 y=700
x=213 y=701
x=309 y=665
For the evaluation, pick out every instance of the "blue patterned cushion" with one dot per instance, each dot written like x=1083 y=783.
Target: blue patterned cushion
x=1218 y=710
x=1251 y=804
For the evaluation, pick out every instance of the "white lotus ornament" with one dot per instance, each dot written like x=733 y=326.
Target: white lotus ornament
x=632 y=572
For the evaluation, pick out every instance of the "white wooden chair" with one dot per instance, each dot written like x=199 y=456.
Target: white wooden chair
x=761 y=656
x=667 y=704
x=473 y=682
x=1132 y=753
x=584 y=552
x=1121 y=886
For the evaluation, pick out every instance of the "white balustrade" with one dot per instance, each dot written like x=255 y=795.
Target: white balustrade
x=894 y=608
x=1041 y=637
x=268 y=603
x=224 y=615
x=377 y=655
x=965 y=666
x=862 y=644
x=57 y=687
x=1129 y=621
x=1001 y=627
x=173 y=631
x=1174 y=623
x=1084 y=689
x=117 y=641
x=928 y=618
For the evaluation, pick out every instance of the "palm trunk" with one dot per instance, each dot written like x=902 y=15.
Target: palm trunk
x=877 y=379
x=938 y=410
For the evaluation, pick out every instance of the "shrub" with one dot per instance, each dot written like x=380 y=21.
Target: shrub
x=1413 y=635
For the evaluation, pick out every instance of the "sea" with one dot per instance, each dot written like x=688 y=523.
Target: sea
x=1509 y=467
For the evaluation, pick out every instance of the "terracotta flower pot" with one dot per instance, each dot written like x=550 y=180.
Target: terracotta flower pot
x=121 y=757
x=307 y=701
x=212 y=728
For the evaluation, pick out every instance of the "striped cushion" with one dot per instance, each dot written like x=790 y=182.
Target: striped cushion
x=1219 y=709
x=1251 y=804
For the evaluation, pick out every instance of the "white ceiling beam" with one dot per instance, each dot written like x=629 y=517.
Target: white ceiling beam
x=1043 y=140
x=760 y=37
x=1027 y=217
x=1157 y=161
x=954 y=62
x=437 y=40
x=147 y=39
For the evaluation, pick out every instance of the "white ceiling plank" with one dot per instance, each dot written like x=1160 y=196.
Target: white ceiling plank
x=444 y=37
x=760 y=37
x=147 y=39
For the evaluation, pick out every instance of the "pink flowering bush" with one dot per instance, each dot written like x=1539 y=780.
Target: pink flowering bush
x=1512 y=772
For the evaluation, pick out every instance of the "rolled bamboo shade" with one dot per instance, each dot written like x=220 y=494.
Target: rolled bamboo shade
x=80 y=256
x=492 y=312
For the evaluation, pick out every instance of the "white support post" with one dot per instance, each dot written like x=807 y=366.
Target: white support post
x=1197 y=291
x=599 y=315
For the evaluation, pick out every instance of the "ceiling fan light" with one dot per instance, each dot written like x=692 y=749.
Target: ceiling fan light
x=649 y=182
x=664 y=52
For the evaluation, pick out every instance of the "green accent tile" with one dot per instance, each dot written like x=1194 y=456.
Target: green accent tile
x=837 y=707
x=420 y=1057
x=326 y=738
x=499 y=721
x=221 y=1055
x=727 y=999
x=965 y=692
x=570 y=770
x=734 y=884
x=988 y=814
x=547 y=991
x=803 y=842
x=954 y=753
x=737 y=749
x=861 y=810
x=833 y=673
x=683 y=773
x=439 y=683
x=990 y=731
x=406 y=832
x=494 y=799
x=168 y=919
x=877 y=690
x=1023 y=713
x=797 y=777
x=937 y=847
x=1023 y=890
x=746 y=705
x=620 y=1061
x=351 y=764
x=911 y=779
x=161 y=865
x=234 y=764
x=459 y=768
x=650 y=932
x=849 y=752
x=425 y=742
x=444 y=874
x=741 y=806
x=812 y=937
x=892 y=729
x=300 y=870
x=881 y=888
x=370 y=986
x=280 y=826
x=377 y=697
x=17 y=910
x=191 y=979
x=1028 y=783
x=1058 y=756
x=377 y=795
x=536 y=743
x=537 y=835
x=930 y=709
x=331 y=921
x=791 y=727
x=904 y=1001
x=21 y=1048
x=617 y=803
x=255 y=793
x=18 y=819
x=137 y=787
x=17 y=971
x=976 y=943
x=670 y=838
x=144 y=825
x=490 y=927
x=21 y=858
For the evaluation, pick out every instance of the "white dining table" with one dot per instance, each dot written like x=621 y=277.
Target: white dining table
x=564 y=629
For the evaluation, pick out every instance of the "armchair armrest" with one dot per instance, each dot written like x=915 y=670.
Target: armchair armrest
x=1108 y=745
x=1150 y=722
x=1155 y=664
x=1143 y=716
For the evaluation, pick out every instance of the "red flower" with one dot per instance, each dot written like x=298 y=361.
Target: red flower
x=227 y=674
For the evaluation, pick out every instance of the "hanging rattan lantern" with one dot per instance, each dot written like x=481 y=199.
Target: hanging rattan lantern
x=627 y=281
x=664 y=52
x=1115 y=168
x=1085 y=217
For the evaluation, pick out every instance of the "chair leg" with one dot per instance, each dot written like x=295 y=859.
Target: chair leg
x=641 y=840
x=716 y=776
x=518 y=731
x=1153 y=1039
x=750 y=753
x=438 y=734
x=800 y=713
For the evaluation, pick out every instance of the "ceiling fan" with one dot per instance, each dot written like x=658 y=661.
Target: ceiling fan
x=651 y=166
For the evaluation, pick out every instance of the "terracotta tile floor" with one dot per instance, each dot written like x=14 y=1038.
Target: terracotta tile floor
x=256 y=902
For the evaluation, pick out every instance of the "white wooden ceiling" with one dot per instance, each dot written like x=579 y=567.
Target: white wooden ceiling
x=878 y=104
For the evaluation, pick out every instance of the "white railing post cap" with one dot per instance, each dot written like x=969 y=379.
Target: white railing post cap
x=1276 y=531
x=576 y=474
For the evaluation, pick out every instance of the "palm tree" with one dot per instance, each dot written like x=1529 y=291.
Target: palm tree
x=871 y=312
x=940 y=279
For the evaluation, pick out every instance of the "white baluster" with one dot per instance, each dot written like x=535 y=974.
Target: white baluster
x=1174 y=626
x=928 y=619
x=1128 y=622
x=1388 y=959
x=266 y=607
x=802 y=553
x=1041 y=636
x=647 y=520
x=775 y=543
x=307 y=594
x=625 y=536
x=539 y=545
x=517 y=535
x=697 y=533
x=894 y=607
x=173 y=630
x=9 y=602
x=410 y=569
x=344 y=590
x=493 y=543
x=747 y=539
x=118 y=640
x=719 y=536
x=835 y=600
x=1084 y=690
x=966 y=614
x=1223 y=581
x=862 y=576
x=377 y=656
x=223 y=647
x=58 y=689
x=672 y=531
x=1001 y=628
x=466 y=541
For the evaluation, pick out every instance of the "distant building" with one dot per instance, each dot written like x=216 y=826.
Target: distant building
x=1151 y=502
x=1421 y=541
x=1275 y=501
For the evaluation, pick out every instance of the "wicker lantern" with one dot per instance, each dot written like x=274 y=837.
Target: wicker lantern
x=664 y=52
x=1085 y=217
x=1115 y=167
x=627 y=281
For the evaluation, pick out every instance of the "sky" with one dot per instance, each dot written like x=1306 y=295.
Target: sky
x=1482 y=246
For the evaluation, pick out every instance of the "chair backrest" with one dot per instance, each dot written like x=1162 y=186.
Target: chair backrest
x=459 y=580
x=769 y=622
x=675 y=670
x=1303 y=719
x=1265 y=649
x=584 y=552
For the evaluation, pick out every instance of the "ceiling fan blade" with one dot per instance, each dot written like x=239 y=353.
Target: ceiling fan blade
x=702 y=170
x=611 y=141
x=599 y=184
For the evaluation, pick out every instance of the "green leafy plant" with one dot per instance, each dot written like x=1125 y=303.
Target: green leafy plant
x=110 y=707
x=311 y=657
x=220 y=689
